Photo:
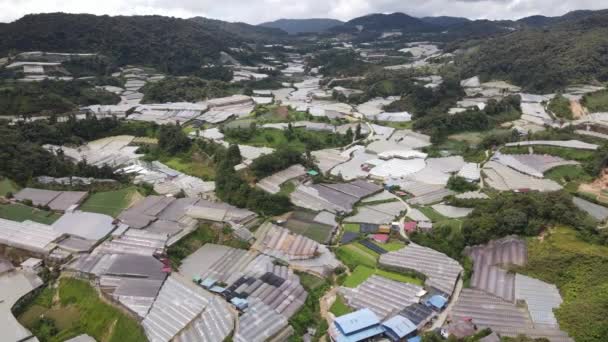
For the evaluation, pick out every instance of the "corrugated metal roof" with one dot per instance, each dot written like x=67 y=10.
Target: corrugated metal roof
x=259 y=323
x=441 y=271
x=178 y=303
x=356 y=321
x=400 y=326
x=28 y=235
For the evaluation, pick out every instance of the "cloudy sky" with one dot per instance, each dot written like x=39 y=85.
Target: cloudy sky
x=257 y=11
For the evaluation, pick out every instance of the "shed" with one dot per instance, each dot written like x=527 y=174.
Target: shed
x=425 y=225
x=398 y=327
x=240 y=303
x=357 y=326
x=437 y=302
x=32 y=265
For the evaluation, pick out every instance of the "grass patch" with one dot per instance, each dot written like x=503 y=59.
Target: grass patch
x=287 y=188
x=393 y=246
x=310 y=281
x=20 y=213
x=275 y=138
x=351 y=227
x=596 y=102
x=7 y=185
x=569 y=176
x=302 y=222
x=560 y=106
x=361 y=273
x=109 y=202
x=353 y=255
x=467 y=150
x=563 y=152
x=202 y=235
x=194 y=163
x=432 y=214
x=397 y=125
x=339 y=307
x=580 y=271
x=80 y=311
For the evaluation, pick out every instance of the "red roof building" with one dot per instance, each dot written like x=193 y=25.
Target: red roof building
x=380 y=238
x=410 y=226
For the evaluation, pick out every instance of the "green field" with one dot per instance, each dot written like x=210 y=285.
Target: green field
x=570 y=176
x=79 y=310
x=109 y=202
x=440 y=220
x=596 y=102
x=6 y=186
x=361 y=273
x=563 y=152
x=393 y=246
x=20 y=213
x=301 y=222
x=310 y=281
x=355 y=254
x=193 y=163
x=580 y=271
x=339 y=307
x=351 y=227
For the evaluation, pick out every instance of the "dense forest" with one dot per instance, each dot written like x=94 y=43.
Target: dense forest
x=171 y=45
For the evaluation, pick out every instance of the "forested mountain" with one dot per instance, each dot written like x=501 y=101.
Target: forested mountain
x=444 y=21
x=394 y=21
x=295 y=26
x=247 y=32
x=170 y=44
x=545 y=60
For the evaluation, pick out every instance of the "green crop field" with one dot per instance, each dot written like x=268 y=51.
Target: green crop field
x=353 y=255
x=78 y=310
x=20 y=213
x=109 y=202
x=361 y=273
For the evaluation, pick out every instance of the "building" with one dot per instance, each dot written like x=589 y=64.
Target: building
x=399 y=328
x=356 y=326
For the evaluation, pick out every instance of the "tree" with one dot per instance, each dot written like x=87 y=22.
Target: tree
x=172 y=139
x=349 y=135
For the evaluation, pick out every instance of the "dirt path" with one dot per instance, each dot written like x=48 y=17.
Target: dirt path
x=326 y=302
x=578 y=111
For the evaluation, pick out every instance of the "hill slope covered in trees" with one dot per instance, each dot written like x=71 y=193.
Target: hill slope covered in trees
x=545 y=60
x=172 y=45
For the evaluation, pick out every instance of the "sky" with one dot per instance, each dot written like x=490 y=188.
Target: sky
x=258 y=11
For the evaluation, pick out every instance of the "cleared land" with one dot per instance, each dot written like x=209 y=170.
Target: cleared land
x=580 y=271
x=20 y=213
x=361 y=273
x=110 y=202
x=78 y=310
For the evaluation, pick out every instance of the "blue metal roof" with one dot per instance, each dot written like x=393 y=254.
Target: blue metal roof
x=437 y=301
x=400 y=325
x=359 y=335
x=217 y=289
x=208 y=282
x=415 y=339
x=239 y=302
x=356 y=321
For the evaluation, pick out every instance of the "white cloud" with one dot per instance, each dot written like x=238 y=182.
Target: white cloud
x=256 y=11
